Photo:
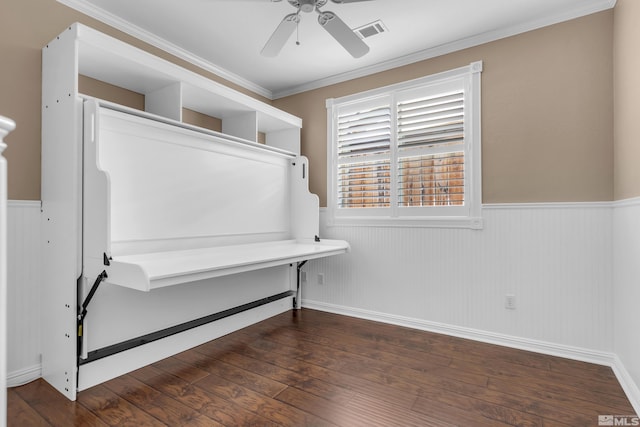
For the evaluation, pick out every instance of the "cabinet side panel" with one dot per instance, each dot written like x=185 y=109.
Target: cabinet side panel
x=305 y=216
x=61 y=210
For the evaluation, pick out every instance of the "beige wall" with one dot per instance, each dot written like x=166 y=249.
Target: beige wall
x=547 y=104
x=109 y=92
x=626 y=80
x=546 y=112
x=25 y=27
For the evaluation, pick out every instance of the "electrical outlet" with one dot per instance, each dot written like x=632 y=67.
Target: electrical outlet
x=320 y=279
x=510 y=302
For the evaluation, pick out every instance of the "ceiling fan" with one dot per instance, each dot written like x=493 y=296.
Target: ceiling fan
x=328 y=20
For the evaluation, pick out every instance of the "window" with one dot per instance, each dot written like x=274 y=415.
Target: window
x=408 y=154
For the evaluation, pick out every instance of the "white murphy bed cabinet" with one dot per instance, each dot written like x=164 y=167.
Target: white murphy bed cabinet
x=158 y=235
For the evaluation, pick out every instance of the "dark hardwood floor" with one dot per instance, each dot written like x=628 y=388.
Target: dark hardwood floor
x=310 y=368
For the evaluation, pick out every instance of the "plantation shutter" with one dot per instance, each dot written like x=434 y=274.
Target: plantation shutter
x=433 y=180
x=431 y=120
x=408 y=154
x=431 y=150
x=364 y=162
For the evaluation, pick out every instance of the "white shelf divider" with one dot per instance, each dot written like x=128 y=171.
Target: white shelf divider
x=243 y=126
x=166 y=101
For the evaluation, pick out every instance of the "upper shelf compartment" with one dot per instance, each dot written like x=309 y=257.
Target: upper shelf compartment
x=168 y=88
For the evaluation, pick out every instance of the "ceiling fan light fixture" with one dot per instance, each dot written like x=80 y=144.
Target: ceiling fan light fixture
x=307 y=5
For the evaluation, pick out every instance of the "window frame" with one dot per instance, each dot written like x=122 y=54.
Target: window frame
x=467 y=216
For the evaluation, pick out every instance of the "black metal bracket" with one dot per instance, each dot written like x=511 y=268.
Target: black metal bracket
x=298 y=271
x=316 y=238
x=106 y=260
x=82 y=310
x=92 y=292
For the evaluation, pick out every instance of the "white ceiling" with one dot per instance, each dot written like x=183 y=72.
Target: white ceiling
x=226 y=36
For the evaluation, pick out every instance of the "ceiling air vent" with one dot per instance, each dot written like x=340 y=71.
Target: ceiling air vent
x=371 y=29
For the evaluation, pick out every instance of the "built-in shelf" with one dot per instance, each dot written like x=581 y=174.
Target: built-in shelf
x=168 y=88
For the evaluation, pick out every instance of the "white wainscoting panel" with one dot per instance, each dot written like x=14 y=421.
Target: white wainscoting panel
x=626 y=295
x=574 y=269
x=555 y=258
x=23 y=299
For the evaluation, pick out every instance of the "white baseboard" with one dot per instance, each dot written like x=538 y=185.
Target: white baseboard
x=23 y=376
x=626 y=382
x=552 y=349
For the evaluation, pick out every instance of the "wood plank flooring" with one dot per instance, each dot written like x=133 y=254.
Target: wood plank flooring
x=309 y=368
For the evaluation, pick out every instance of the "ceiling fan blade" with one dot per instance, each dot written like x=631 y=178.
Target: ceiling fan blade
x=280 y=36
x=343 y=34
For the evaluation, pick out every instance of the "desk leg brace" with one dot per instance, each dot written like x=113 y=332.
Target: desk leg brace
x=82 y=313
x=297 y=300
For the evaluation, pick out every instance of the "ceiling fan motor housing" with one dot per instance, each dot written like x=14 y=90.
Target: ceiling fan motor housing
x=307 y=5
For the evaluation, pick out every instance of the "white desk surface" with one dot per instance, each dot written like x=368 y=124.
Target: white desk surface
x=153 y=270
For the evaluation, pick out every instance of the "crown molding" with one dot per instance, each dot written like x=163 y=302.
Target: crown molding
x=154 y=40
x=587 y=8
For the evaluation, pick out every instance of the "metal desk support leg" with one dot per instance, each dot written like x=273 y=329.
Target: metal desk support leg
x=297 y=300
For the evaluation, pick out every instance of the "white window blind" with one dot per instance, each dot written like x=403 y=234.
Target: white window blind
x=431 y=150
x=362 y=133
x=408 y=152
x=364 y=146
x=436 y=180
x=433 y=120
